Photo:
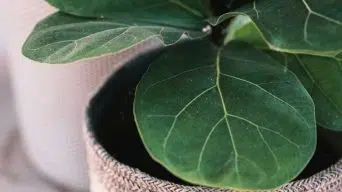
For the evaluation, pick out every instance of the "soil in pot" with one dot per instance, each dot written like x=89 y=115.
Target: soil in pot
x=112 y=122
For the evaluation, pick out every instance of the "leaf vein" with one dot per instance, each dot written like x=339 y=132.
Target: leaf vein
x=276 y=97
x=176 y=75
x=265 y=128
x=253 y=164
x=180 y=112
x=315 y=83
x=206 y=142
x=218 y=70
x=72 y=40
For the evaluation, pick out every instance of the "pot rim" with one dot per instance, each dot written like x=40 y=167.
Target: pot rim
x=105 y=167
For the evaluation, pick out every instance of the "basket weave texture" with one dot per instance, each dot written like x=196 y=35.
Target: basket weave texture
x=109 y=175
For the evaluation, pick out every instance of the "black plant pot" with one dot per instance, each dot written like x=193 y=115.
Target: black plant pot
x=118 y=161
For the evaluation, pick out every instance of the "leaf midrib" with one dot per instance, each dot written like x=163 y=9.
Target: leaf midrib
x=99 y=32
x=65 y=57
x=218 y=71
x=225 y=117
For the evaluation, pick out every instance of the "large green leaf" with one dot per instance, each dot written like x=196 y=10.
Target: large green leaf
x=173 y=12
x=231 y=118
x=321 y=76
x=62 y=38
x=297 y=26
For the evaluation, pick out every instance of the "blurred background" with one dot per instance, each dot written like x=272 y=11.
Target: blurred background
x=41 y=109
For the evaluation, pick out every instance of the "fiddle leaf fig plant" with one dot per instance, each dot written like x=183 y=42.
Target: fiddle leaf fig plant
x=235 y=97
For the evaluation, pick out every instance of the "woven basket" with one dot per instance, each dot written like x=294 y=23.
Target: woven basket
x=107 y=174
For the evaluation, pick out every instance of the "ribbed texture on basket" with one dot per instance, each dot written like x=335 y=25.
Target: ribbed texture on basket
x=109 y=175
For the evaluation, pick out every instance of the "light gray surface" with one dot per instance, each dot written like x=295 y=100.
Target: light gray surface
x=16 y=172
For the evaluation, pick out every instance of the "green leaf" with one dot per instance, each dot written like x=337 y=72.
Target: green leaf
x=231 y=118
x=63 y=38
x=172 y=12
x=242 y=28
x=322 y=77
x=297 y=26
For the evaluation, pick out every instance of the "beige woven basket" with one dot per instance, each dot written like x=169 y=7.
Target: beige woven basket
x=107 y=174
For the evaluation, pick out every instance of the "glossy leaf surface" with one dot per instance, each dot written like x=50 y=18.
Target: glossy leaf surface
x=230 y=118
x=321 y=76
x=297 y=26
x=183 y=13
x=62 y=38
